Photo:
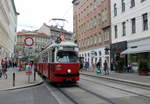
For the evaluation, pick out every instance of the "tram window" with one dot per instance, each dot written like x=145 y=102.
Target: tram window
x=50 y=55
x=67 y=56
x=45 y=57
x=53 y=54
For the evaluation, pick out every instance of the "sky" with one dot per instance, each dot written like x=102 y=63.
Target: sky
x=33 y=13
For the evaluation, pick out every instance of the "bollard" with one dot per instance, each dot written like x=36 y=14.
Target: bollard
x=13 y=79
x=34 y=75
x=28 y=78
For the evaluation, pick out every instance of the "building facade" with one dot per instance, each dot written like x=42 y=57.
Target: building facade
x=92 y=30
x=8 y=26
x=54 y=32
x=131 y=27
x=39 y=41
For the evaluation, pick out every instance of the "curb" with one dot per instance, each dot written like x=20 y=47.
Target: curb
x=26 y=86
x=120 y=80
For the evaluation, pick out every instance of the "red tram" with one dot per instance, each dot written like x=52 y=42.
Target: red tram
x=59 y=62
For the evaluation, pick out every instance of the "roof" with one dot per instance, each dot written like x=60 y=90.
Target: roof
x=64 y=43
x=31 y=33
x=54 y=28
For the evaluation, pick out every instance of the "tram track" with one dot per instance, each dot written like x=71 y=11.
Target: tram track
x=145 y=87
x=97 y=95
x=99 y=83
x=53 y=89
x=70 y=96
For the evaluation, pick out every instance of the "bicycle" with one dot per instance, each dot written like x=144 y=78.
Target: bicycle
x=3 y=73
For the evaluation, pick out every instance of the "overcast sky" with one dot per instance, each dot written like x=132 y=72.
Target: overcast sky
x=33 y=13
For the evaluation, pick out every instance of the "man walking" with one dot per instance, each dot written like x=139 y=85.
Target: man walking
x=106 y=68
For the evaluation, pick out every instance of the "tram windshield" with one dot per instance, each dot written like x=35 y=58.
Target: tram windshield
x=67 y=56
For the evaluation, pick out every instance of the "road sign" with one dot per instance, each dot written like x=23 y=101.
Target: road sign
x=29 y=41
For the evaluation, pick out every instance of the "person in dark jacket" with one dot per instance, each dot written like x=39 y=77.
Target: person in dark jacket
x=106 y=68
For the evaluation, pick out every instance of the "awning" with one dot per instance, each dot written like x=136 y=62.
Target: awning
x=138 y=49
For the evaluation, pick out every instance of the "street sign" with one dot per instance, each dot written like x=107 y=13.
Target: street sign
x=29 y=41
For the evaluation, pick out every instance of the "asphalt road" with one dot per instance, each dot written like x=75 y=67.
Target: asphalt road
x=33 y=95
x=89 y=90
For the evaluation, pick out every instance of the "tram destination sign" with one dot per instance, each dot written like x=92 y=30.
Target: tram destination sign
x=68 y=48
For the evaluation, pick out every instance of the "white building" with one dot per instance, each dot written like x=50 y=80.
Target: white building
x=8 y=25
x=130 y=29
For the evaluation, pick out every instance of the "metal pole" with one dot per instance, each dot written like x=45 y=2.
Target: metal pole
x=13 y=79
x=34 y=75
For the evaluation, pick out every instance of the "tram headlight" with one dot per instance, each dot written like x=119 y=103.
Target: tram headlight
x=69 y=71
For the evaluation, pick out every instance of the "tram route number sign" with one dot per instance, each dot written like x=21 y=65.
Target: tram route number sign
x=29 y=41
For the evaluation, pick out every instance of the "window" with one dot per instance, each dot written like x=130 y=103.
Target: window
x=115 y=9
x=123 y=28
x=145 y=22
x=143 y=0
x=133 y=22
x=123 y=6
x=116 y=31
x=132 y=3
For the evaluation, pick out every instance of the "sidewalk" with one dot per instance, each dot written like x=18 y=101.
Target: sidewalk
x=21 y=80
x=133 y=78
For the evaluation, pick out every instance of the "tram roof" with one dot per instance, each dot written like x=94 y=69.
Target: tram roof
x=63 y=43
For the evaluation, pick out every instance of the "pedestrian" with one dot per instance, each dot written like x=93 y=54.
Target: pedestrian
x=81 y=65
x=4 y=65
x=87 y=65
x=106 y=68
x=28 y=68
x=98 y=66
x=129 y=68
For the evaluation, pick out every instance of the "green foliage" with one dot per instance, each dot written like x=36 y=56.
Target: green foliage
x=119 y=66
x=143 y=67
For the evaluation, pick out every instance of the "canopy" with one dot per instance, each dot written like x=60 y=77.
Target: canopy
x=138 y=49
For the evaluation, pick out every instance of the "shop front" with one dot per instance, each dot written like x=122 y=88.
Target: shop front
x=139 y=55
x=118 y=60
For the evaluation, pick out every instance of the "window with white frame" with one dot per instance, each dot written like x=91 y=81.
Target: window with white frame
x=145 y=21
x=115 y=9
x=116 y=31
x=123 y=5
x=132 y=3
x=133 y=24
x=123 y=28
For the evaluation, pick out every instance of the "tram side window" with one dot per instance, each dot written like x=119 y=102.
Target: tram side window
x=45 y=57
x=53 y=54
x=50 y=56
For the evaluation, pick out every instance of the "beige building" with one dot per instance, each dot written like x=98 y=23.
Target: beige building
x=92 y=29
x=54 y=31
x=39 y=41
x=8 y=25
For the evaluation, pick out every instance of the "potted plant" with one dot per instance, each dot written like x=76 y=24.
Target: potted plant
x=143 y=68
